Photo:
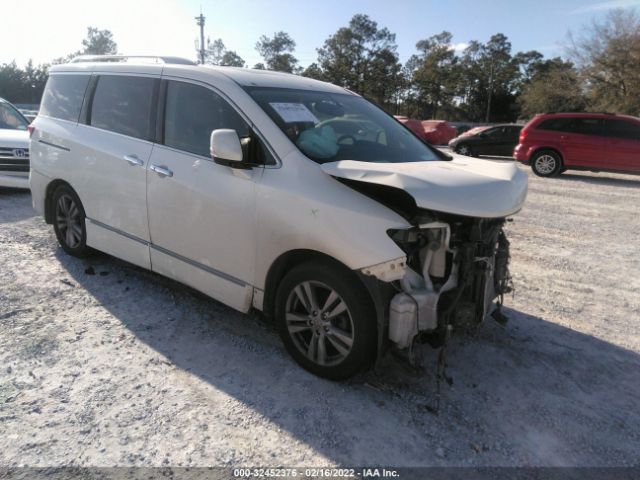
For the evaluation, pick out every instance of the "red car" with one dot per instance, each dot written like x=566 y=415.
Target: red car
x=436 y=132
x=554 y=142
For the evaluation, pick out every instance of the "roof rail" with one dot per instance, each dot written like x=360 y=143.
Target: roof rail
x=124 y=58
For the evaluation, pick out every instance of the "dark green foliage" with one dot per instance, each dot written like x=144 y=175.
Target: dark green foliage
x=277 y=52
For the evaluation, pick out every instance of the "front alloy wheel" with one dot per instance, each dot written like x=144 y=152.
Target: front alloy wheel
x=319 y=323
x=326 y=319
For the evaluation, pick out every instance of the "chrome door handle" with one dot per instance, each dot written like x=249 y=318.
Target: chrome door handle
x=162 y=171
x=133 y=160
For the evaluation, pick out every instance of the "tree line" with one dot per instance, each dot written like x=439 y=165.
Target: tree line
x=484 y=82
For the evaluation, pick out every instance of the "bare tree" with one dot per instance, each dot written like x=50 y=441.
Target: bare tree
x=607 y=54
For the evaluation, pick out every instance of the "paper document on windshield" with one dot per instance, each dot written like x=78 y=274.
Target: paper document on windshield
x=294 y=112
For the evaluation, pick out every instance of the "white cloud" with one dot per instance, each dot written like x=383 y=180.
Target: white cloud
x=48 y=29
x=458 y=47
x=607 y=5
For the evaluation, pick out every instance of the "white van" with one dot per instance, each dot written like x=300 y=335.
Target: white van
x=275 y=192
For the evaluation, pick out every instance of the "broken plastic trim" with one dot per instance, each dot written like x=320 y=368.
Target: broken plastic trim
x=387 y=271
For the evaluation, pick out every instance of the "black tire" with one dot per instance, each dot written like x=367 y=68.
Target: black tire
x=546 y=163
x=465 y=150
x=69 y=222
x=358 y=322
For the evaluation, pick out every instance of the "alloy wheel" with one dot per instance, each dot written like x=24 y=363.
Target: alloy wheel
x=319 y=323
x=464 y=150
x=69 y=220
x=545 y=164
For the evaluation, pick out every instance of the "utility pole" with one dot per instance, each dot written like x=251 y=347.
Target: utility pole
x=490 y=91
x=200 y=22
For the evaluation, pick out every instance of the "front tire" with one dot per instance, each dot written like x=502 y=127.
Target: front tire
x=326 y=320
x=69 y=222
x=546 y=163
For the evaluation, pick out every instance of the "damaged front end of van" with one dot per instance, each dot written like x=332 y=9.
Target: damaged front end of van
x=456 y=265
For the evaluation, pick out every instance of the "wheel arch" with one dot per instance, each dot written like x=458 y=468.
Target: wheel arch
x=283 y=264
x=551 y=149
x=379 y=292
x=48 y=197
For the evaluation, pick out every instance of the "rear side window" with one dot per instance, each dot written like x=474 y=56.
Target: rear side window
x=623 y=129
x=561 y=124
x=63 y=96
x=581 y=125
x=587 y=126
x=494 y=132
x=513 y=132
x=192 y=112
x=123 y=104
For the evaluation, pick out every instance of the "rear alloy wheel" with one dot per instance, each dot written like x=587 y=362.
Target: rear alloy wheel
x=546 y=163
x=326 y=320
x=69 y=222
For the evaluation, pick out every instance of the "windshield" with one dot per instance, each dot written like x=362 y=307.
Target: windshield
x=328 y=127
x=11 y=119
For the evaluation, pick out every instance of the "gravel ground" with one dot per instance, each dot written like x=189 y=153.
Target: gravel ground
x=103 y=364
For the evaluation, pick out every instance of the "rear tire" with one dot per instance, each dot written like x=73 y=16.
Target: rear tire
x=326 y=320
x=465 y=150
x=69 y=222
x=546 y=163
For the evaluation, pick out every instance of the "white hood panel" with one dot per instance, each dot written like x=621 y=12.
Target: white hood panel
x=463 y=186
x=14 y=138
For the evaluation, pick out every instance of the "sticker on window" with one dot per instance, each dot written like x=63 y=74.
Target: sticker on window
x=294 y=112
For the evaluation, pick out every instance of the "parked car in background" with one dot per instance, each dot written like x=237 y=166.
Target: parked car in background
x=436 y=132
x=279 y=193
x=491 y=140
x=554 y=142
x=414 y=125
x=14 y=147
x=30 y=115
x=460 y=129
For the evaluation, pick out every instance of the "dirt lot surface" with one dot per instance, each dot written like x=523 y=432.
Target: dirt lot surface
x=103 y=364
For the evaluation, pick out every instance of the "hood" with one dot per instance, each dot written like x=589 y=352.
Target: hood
x=463 y=186
x=14 y=138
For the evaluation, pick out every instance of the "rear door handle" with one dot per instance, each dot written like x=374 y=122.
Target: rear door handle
x=162 y=171
x=133 y=160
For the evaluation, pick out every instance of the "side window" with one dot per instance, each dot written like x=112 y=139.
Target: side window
x=123 y=104
x=493 y=132
x=192 y=112
x=63 y=96
x=513 y=132
x=562 y=124
x=623 y=129
x=587 y=126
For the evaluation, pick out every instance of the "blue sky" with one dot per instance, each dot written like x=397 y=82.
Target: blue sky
x=55 y=28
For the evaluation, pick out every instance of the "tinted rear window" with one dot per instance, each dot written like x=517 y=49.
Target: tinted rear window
x=557 y=124
x=581 y=125
x=63 y=96
x=623 y=129
x=587 y=126
x=124 y=105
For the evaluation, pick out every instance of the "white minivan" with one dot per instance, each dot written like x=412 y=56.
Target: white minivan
x=276 y=192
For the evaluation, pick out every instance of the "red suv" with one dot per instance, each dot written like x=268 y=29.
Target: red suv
x=554 y=142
